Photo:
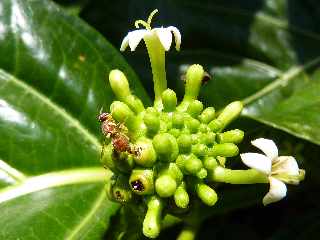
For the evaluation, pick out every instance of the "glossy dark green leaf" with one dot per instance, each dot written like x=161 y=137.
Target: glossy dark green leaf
x=53 y=82
x=263 y=52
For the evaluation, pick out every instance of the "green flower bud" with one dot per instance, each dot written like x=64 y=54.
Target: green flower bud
x=202 y=173
x=210 y=163
x=230 y=112
x=170 y=169
x=208 y=138
x=152 y=122
x=119 y=84
x=232 y=136
x=215 y=125
x=200 y=150
x=120 y=190
x=181 y=160
x=207 y=115
x=192 y=165
x=120 y=87
x=123 y=161
x=192 y=124
x=169 y=100
x=203 y=128
x=152 y=110
x=166 y=147
x=184 y=143
x=107 y=158
x=165 y=186
x=146 y=155
x=178 y=120
x=123 y=114
x=174 y=132
x=195 y=107
x=206 y=194
x=224 y=150
x=152 y=220
x=181 y=197
x=142 y=181
x=134 y=103
x=194 y=77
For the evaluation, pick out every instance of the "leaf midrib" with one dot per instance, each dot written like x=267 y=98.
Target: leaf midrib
x=55 y=179
x=282 y=80
x=56 y=108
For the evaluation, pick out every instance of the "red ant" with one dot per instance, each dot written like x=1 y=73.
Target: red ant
x=120 y=141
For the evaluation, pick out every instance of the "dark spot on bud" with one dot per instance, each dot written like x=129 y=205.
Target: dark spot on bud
x=137 y=185
x=206 y=78
x=118 y=195
x=183 y=78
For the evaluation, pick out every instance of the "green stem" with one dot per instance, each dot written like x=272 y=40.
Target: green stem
x=157 y=59
x=250 y=176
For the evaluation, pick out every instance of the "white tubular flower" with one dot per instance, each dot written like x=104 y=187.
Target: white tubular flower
x=279 y=169
x=164 y=35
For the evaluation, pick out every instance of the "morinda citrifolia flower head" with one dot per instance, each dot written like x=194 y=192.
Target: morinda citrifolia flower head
x=169 y=155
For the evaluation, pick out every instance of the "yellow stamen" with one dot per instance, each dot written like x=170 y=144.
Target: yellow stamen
x=143 y=23
x=151 y=16
x=147 y=24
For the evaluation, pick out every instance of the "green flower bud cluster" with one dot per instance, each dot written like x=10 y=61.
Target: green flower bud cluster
x=163 y=155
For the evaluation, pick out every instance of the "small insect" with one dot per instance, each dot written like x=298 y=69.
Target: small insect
x=115 y=131
x=205 y=79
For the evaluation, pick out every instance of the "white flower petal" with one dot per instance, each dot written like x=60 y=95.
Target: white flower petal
x=285 y=165
x=267 y=146
x=177 y=36
x=165 y=37
x=278 y=190
x=135 y=37
x=257 y=161
x=124 y=44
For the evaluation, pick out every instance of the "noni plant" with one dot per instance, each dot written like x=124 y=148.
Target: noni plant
x=167 y=157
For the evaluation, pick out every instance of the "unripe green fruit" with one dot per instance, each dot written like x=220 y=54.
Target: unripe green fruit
x=142 y=181
x=169 y=100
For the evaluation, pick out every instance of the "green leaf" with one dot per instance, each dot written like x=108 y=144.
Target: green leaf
x=264 y=52
x=53 y=82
